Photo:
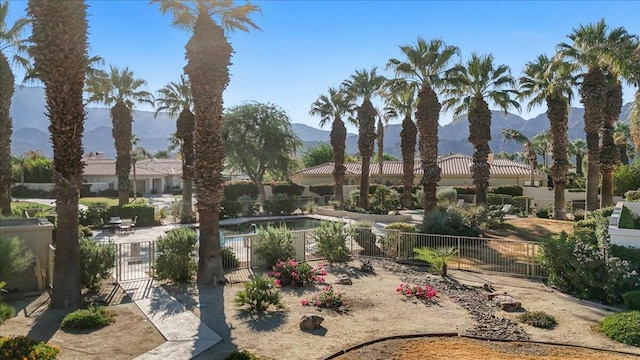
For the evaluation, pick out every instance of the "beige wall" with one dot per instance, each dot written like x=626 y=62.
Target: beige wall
x=36 y=237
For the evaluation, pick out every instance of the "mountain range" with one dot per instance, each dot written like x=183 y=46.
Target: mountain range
x=30 y=129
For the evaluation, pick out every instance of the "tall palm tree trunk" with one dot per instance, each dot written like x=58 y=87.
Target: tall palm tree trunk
x=122 y=121
x=622 y=151
x=338 y=138
x=479 y=136
x=408 y=146
x=380 y=141
x=185 y=125
x=60 y=55
x=579 y=171
x=208 y=58
x=558 y=115
x=6 y=92
x=609 y=155
x=427 y=114
x=593 y=97
x=367 y=132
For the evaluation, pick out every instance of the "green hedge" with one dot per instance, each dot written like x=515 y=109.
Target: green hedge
x=144 y=213
x=290 y=189
x=232 y=191
x=623 y=327
x=513 y=190
x=323 y=189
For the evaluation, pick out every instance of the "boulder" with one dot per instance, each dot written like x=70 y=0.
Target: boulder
x=343 y=279
x=310 y=322
x=506 y=302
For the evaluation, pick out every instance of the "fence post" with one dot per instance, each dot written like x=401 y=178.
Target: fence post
x=458 y=237
x=118 y=256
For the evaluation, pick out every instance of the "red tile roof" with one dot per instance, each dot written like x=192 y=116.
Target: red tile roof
x=453 y=164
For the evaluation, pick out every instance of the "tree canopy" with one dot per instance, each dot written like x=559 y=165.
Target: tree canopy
x=317 y=155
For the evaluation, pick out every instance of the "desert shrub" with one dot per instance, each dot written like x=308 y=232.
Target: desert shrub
x=326 y=298
x=279 y=204
x=448 y=195
x=6 y=311
x=241 y=355
x=544 y=212
x=232 y=191
x=296 y=274
x=604 y=212
x=438 y=257
x=366 y=239
x=275 y=244
x=96 y=262
x=495 y=217
x=632 y=300
x=579 y=265
x=383 y=200
x=94 y=317
x=511 y=190
x=230 y=209
x=84 y=231
x=448 y=221
x=290 y=189
x=14 y=257
x=631 y=255
x=421 y=292
x=402 y=227
x=351 y=202
x=623 y=327
x=539 y=319
x=22 y=347
x=331 y=239
x=176 y=255
x=229 y=259
x=259 y=294
x=586 y=224
x=632 y=195
x=310 y=207
x=323 y=189
x=92 y=215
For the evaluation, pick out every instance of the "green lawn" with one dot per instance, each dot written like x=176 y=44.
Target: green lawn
x=110 y=201
x=17 y=208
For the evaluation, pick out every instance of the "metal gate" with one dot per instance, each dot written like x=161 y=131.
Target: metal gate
x=134 y=261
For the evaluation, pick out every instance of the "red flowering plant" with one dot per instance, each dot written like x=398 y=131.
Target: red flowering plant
x=421 y=292
x=326 y=298
x=297 y=274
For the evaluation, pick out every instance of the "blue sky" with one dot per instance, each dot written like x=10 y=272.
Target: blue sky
x=306 y=46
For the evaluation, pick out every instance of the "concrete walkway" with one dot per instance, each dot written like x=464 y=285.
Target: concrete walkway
x=186 y=335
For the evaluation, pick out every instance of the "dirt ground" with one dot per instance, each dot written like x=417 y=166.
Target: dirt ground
x=378 y=311
x=129 y=336
x=531 y=228
x=470 y=349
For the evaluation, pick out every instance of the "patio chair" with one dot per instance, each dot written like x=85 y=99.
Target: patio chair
x=133 y=225
x=106 y=227
x=506 y=208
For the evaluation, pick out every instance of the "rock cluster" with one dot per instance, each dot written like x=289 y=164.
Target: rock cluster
x=310 y=322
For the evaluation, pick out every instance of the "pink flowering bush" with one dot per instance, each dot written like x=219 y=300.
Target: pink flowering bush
x=296 y=274
x=421 y=292
x=326 y=298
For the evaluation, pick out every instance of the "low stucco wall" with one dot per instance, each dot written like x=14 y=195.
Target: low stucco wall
x=35 y=235
x=624 y=237
x=328 y=211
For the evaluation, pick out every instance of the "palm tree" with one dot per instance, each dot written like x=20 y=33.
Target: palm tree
x=529 y=151
x=469 y=87
x=598 y=51
x=578 y=148
x=10 y=39
x=59 y=51
x=383 y=119
x=546 y=81
x=621 y=137
x=365 y=84
x=120 y=89
x=609 y=153
x=208 y=57
x=632 y=75
x=542 y=146
x=400 y=98
x=424 y=65
x=175 y=99
x=137 y=153
x=332 y=107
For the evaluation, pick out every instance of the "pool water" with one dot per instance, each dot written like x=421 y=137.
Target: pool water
x=293 y=224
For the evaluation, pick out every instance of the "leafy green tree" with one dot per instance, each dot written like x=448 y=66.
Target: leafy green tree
x=120 y=90
x=14 y=257
x=317 y=155
x=551 y=82
x=365 y=84
x=469 y=87
x=59 y=50
x=385 y=157
x=175 y=99
x=425 y=64
x=598 y=51
x=625 y=178
x=333 y=107
x=161 y=154
x=259 y=139
x=10 y=40
x=208 y=55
